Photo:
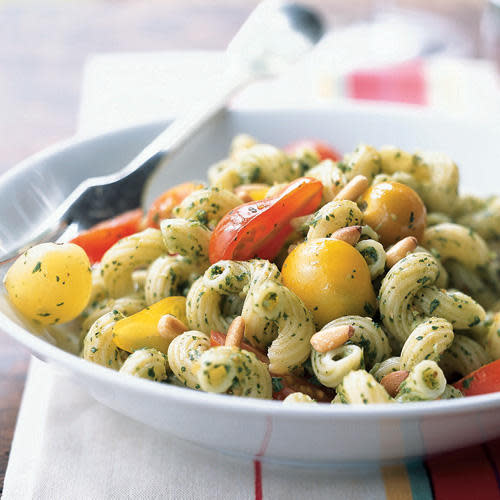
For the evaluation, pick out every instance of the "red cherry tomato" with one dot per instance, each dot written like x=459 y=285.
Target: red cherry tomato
x=283 y=385
x=260 y=228
x=324 y=151
x=482 y=381
x=104 y=235
x=162 y=207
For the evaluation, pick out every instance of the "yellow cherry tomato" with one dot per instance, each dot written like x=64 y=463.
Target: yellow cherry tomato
x=141 y=329
x=332 y=279
x=394 y=211
x=50 y=283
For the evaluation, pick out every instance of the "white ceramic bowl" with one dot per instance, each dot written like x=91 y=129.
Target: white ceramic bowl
x=302 y=433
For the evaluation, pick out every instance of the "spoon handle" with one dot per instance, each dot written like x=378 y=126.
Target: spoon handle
x=100 y=198
x=183 y=128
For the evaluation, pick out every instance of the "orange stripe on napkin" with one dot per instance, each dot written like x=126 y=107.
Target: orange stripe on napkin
x=396 y=482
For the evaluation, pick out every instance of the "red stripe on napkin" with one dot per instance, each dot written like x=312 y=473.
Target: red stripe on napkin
x=257 y=465
x=404 y=82
x=492 y=449
x=463 y=475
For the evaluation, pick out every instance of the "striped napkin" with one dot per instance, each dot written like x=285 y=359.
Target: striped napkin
x=67 y=445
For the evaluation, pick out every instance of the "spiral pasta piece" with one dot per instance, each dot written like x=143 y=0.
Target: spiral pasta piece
x=298 y=398
x=258 y=163
x=459 y=309
x=439 y=190
x=470 y=281
x=459 y=243
x=428 y=341
x=389 y=365
x=332 y=366
x=98 y=345
x=374 y=254
x=241 y=142
x=359 y=387
x=146 y=363
x=451 y=393
x=482 y=217
x=331 y=176
x=463 y=357
x=207 y=206
x=492 y=337
x=168 y=275
x=425 y=382
x=333 y=216
x=128 y=254
x=368 y=335
x=364 y=160
x=183 y=356
x=98 y=290
x=435 y=176
x=188 y=238
x=398 y=290
x=234 y=371
x=272 y=313
x=128 y=305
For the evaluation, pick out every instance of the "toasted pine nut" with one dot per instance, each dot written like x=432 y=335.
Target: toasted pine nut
x=331 y=338
x=244 y=190
x=353 y=189
x=400 y=250
x=170 y=327
x=349 y=234
x=393 y=380
x=235 y=332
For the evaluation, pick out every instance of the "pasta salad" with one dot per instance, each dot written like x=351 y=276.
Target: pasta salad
x=296 y=274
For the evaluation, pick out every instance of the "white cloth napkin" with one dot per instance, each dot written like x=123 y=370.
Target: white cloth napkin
x=67 y=445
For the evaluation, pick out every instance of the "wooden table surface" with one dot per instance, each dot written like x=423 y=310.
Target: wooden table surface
x=43 y=46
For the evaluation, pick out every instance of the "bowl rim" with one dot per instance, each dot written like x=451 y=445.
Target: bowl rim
x=222 y=402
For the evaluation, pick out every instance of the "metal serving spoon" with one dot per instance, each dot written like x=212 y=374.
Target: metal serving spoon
x=273 y=37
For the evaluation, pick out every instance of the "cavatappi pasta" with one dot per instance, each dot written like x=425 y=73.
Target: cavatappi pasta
x=295 y=274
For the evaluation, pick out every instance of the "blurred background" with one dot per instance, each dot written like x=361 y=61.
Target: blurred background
x=377 y=50
x=44 y=45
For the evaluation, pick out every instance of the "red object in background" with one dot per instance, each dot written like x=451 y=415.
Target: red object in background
x=404 y=82
x=482 y=381
x=260 y=228
x=324 y=151
x=104 y=235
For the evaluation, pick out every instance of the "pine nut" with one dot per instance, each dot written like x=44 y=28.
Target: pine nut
x=349 y=234
x=235 y=332
x=353 y=189
x=400 y=250
x=331 y=338
x=170 y=327
x=393 y=380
